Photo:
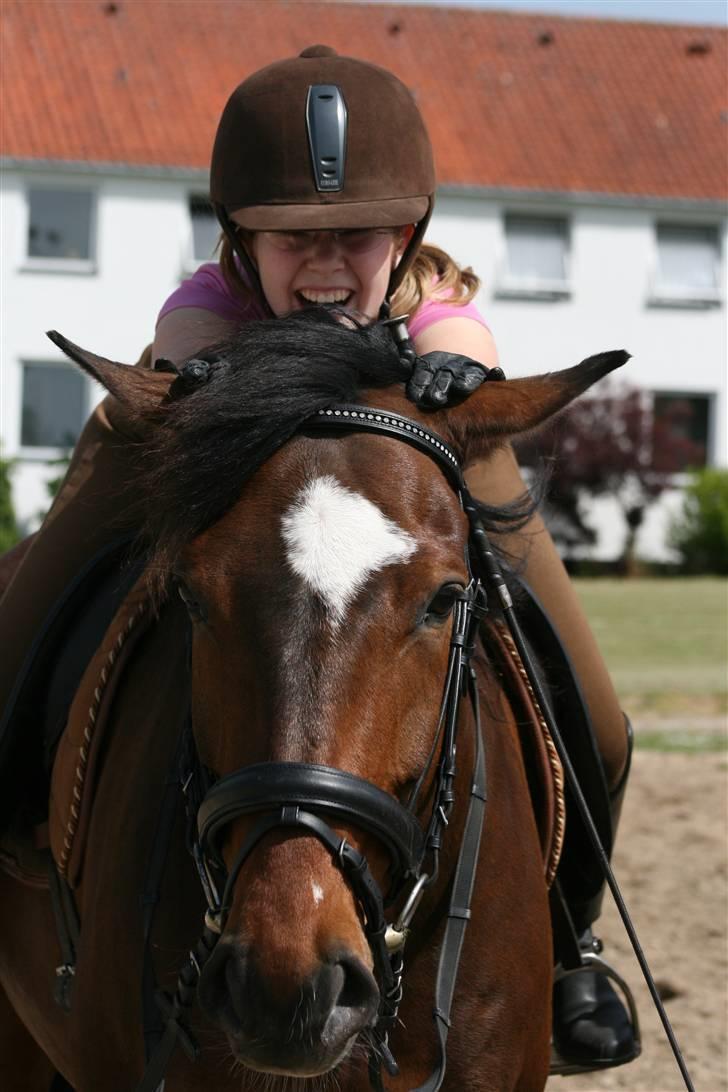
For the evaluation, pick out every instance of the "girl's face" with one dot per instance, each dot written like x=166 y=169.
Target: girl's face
x=351 y=268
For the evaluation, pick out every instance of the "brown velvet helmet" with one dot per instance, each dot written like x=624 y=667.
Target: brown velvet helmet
x=322 y=142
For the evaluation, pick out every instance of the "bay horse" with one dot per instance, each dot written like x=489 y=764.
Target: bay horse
x=325 y=578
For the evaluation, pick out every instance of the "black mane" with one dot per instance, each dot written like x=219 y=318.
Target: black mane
x=233 y=406
x=225 y=419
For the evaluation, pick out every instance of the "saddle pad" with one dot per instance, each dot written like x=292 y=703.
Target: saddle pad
x=77 y=763
x=543 y=766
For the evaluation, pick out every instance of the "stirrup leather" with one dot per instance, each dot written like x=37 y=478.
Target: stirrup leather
x=593 y=962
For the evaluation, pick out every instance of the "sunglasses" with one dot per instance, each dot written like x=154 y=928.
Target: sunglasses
x=350 y=240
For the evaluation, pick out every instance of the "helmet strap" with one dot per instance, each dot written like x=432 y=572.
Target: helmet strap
x=246 y=261
x=410 y=253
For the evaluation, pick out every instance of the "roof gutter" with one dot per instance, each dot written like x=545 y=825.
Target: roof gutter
x=512 y=195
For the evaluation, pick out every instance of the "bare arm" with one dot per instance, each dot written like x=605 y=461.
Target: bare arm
x=459 y=335
x=189 y=330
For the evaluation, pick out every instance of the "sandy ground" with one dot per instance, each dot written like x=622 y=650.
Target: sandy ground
x=671 y=865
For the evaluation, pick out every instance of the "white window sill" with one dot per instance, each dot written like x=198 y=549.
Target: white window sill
x=532 y=290
x=42 y=455
x=74 y=266
x=691 y=300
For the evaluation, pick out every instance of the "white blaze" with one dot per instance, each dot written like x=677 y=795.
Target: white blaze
x=318 y=893
x=335 y=539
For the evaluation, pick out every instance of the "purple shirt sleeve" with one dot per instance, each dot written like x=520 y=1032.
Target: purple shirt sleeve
x=207 y=288
x=435 y=310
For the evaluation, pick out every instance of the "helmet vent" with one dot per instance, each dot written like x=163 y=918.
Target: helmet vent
x=326 y=120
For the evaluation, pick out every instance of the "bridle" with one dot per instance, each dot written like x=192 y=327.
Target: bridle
x=310 y=797
x=301 y=796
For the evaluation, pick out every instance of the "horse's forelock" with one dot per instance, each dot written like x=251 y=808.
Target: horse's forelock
x=257 y=389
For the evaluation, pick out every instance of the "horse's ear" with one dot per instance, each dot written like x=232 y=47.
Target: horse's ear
x=500 y=410
x=138 y=388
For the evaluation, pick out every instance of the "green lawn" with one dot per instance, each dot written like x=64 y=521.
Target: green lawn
x=665 y=641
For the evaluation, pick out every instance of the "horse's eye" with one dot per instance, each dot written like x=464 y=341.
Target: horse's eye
x=440 y=606
x=194 y=608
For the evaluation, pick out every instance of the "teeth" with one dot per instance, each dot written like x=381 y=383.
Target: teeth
x=336 y=296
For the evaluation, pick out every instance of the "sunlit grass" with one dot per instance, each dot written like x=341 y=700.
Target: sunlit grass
x=681 y=742
x=665 y=642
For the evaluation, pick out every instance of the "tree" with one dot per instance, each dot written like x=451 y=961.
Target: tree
x=611 y=444
x=9 y=532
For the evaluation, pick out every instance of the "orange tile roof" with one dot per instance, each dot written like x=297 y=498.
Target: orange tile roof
x=538 y=102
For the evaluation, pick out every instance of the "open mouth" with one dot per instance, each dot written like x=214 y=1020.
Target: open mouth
x=340 y=296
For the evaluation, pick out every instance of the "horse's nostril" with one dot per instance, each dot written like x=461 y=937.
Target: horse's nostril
x=355 y=1001
x=359 y=990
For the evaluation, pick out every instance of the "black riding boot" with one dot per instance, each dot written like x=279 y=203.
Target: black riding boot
x=591 y=1026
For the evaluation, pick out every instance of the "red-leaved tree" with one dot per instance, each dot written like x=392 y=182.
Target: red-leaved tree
x=611 y=444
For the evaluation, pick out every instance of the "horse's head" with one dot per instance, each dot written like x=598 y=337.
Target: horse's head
x=321 y=573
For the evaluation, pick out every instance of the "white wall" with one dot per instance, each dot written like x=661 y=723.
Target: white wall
x=613 y=258
x=143 y=245
x=142 y=242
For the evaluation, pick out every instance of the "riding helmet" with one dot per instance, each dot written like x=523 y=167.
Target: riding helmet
x=320 y=142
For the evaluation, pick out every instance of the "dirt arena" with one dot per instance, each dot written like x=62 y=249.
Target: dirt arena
x=671 y=864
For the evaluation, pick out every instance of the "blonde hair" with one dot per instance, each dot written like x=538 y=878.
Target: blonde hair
x=433 y=273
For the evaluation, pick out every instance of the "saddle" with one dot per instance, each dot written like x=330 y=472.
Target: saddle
x=37 y=713
x=50 y=676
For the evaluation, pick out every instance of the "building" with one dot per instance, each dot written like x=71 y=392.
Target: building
x=582 y=175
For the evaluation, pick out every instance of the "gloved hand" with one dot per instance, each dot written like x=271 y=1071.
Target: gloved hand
x=440 y=379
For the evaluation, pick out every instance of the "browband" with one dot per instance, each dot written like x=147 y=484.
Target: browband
x=366 y=419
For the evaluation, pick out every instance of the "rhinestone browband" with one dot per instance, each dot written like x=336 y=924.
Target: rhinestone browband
x=368 y=419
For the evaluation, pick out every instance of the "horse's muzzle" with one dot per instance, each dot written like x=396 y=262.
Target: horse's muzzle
x=303 y=1028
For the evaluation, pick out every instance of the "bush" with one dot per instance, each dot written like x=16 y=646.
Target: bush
x=9 y=532
x=700 y=533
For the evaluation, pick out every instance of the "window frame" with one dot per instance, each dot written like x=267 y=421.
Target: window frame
x=512 y=286
x=48 y=452
x=40 y=264
x=660 y=294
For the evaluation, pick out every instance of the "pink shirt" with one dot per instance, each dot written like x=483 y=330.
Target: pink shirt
x=207 y=288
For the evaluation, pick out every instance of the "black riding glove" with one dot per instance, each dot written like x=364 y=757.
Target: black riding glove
x=440 y=379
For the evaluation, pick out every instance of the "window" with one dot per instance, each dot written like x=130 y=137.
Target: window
x=681 y=431
x=205 y=228
x=536 y=263
x=688 y=265
x=59 y=224
x=54 y=405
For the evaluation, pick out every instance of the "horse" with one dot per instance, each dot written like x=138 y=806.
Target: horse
x=308 y=589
